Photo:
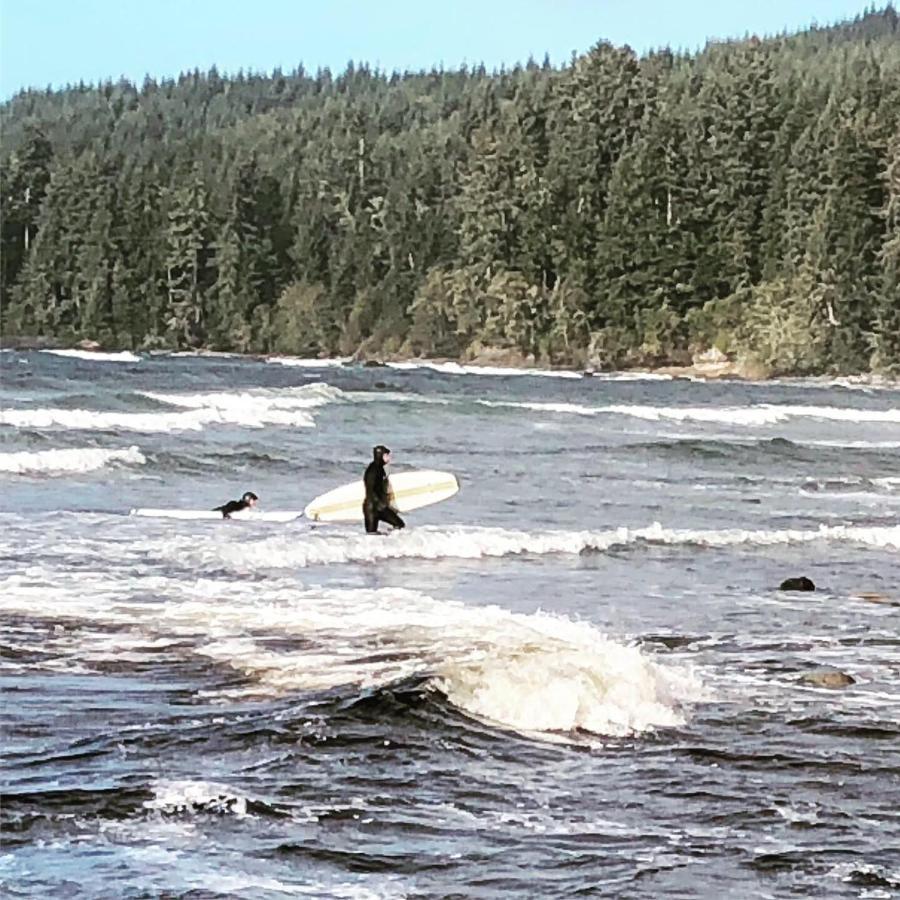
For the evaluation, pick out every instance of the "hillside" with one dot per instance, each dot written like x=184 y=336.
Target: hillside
x=621 y=210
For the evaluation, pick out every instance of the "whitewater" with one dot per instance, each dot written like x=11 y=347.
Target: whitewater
x=576 y=677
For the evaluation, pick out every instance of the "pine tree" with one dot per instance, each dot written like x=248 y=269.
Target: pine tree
x=188 y=250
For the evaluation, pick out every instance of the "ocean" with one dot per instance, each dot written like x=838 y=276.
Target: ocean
x=576 y=678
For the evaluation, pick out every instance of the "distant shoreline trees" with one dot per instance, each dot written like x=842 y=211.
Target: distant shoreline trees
x=617 y=211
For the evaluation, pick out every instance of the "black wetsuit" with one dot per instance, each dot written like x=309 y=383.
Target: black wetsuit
x=232 y=506
x=377 y=505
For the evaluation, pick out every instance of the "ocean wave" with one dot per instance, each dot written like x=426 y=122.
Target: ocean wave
x=320 y=548
x=532 y=673
x=93 y=420
x=753 y=416
x=257 y=407
x=251 y=409
x=542 y=673
x=64 y=462
x=97 y=356
x=453 y=368
x=866 y=383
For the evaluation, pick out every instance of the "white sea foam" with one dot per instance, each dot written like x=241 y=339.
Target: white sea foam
x=251 y=515
x=453 y=368
x=753 y=416
x=64 y=462
x=308 y=363
x=177 y=796
x=96 y=356
x=530 y=673
x=202 y=354
x=855 y=445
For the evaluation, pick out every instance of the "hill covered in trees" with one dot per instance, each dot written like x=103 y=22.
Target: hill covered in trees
x=620 y=210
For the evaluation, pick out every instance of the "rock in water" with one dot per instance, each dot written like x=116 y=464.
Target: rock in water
x=829 y=678
x=797 y=584
x=873 y=597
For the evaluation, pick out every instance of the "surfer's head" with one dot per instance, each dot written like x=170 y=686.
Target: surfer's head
x=250 y=498
x=381 y=454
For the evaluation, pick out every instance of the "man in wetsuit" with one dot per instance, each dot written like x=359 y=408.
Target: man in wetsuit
x=248 y=501
x=377 y=505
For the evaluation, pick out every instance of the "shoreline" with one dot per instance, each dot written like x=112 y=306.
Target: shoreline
x=706 y=367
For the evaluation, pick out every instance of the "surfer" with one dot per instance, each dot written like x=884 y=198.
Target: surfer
x=248 y=501
x=377 y=505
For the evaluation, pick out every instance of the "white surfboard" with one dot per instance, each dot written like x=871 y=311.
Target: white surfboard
x=408 y=491
x=248 y=515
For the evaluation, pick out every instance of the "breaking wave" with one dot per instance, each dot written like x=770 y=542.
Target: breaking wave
x=65 y=462
x=257 y=407
x=250 y=409
x=537 y=673
x=319 y=548
x=453 y=368
x=753 y=416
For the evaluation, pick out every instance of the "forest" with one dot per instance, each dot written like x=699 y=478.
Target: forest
x=620 y=210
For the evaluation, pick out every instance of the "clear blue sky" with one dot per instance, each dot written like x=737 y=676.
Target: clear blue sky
x=61 y=41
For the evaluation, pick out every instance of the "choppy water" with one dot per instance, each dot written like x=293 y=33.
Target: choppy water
x=576 y=678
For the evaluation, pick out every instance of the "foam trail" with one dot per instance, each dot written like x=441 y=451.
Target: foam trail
x=96 y=356
x=65 y=462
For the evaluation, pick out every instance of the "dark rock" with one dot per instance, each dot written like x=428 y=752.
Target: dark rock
x=373 y=364
x=797 y=584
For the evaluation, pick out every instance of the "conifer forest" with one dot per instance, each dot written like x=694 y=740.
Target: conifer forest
x=618 y=210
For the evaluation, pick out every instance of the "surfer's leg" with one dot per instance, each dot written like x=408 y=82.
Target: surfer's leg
x=371 y=517
x=388 y=515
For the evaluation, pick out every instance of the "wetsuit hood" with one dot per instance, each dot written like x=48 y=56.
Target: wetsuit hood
x=379 y=453
x=249 y=496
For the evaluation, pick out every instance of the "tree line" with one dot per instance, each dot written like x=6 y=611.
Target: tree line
x=615 y=211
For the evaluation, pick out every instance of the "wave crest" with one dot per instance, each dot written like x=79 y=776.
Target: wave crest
x=65 y=462
x=249 y=409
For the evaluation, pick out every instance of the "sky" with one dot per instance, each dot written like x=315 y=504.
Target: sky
x=55 y=42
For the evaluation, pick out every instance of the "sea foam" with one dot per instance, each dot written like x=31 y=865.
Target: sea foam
x=96 y=356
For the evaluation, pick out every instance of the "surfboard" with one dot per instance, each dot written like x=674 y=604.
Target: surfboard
x=287 y=515
x=408 y=491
